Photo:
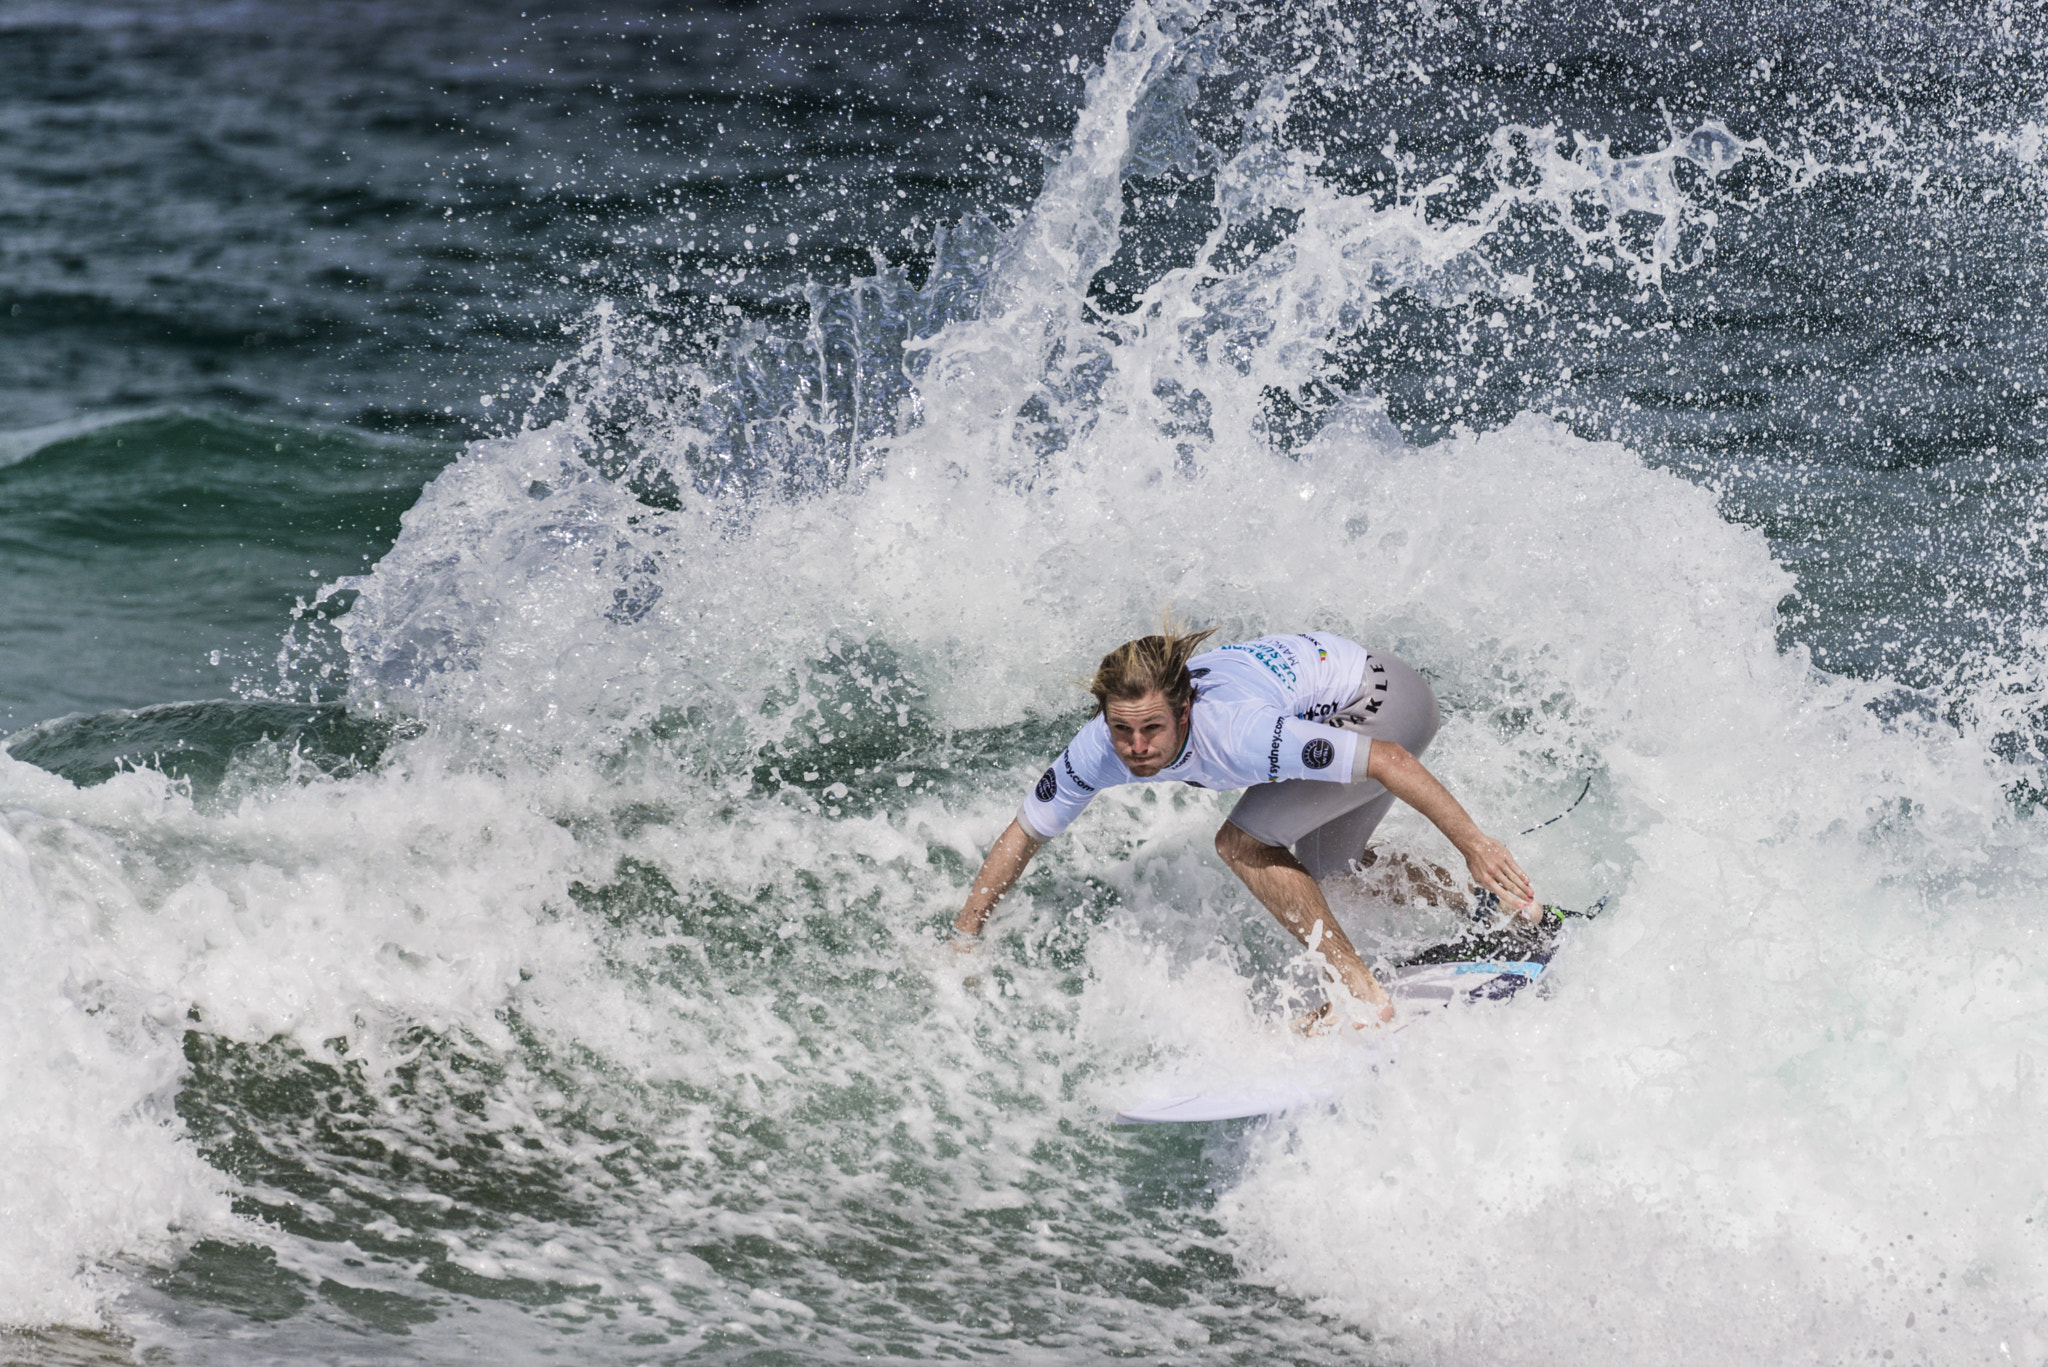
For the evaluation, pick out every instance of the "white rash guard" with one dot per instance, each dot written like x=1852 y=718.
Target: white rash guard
x=1256 y=718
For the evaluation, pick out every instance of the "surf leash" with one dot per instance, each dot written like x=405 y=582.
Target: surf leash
x=1565 y=813
x=1550 y=911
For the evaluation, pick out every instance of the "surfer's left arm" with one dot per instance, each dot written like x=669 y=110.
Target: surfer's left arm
x=999 y=872
x=1490 y=863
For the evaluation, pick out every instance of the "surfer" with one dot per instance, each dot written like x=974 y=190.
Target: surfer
x=1324 y=734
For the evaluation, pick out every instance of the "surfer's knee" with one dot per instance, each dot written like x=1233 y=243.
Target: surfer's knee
x=1234 y=846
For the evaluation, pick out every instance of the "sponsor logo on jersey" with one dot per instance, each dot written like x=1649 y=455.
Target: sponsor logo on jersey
x=1067 y=763
x=1277 y=658
x=1318 y=754
x=1273 y=754
x=1372 y=705
x=1048 y=787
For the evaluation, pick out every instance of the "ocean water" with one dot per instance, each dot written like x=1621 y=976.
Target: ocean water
x=540 y=547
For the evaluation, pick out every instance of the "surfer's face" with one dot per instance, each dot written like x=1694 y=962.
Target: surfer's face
x=1146 y=733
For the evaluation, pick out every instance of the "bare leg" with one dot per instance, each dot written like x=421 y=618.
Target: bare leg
x=1287 y=890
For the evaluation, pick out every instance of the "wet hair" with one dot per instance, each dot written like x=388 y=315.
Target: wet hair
x=1150 y=664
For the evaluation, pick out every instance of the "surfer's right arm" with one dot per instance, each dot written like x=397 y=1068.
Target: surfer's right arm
x=1491 y=865
x=1086 y=766
x=999 y=872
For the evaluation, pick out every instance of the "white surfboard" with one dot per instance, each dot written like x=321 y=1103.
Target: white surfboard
x=1319 y=1071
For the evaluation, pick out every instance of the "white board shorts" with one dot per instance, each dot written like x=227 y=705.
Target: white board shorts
x=1328 y=824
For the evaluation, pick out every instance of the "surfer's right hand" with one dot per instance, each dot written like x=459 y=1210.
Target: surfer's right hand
x=1494 y=868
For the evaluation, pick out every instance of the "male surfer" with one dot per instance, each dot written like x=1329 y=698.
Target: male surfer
x=1325 y=735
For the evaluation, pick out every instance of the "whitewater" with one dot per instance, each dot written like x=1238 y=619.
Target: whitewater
x=558 y=967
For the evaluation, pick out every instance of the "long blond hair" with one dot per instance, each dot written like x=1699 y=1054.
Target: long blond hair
x=1150 y=664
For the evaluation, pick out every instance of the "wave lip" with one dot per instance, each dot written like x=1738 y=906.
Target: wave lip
x=24 y=443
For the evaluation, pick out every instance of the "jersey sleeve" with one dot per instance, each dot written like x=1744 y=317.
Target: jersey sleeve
x=1285 y=747
x=1068 y=784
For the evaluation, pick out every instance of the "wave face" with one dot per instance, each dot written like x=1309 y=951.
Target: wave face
x=550 y=955
x=154 y=555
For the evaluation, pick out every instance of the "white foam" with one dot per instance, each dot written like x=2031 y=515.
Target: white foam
x=97 y=1166
x=1844 y=1041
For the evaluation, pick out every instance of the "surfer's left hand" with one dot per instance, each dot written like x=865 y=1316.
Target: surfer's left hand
x=1494 y=869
